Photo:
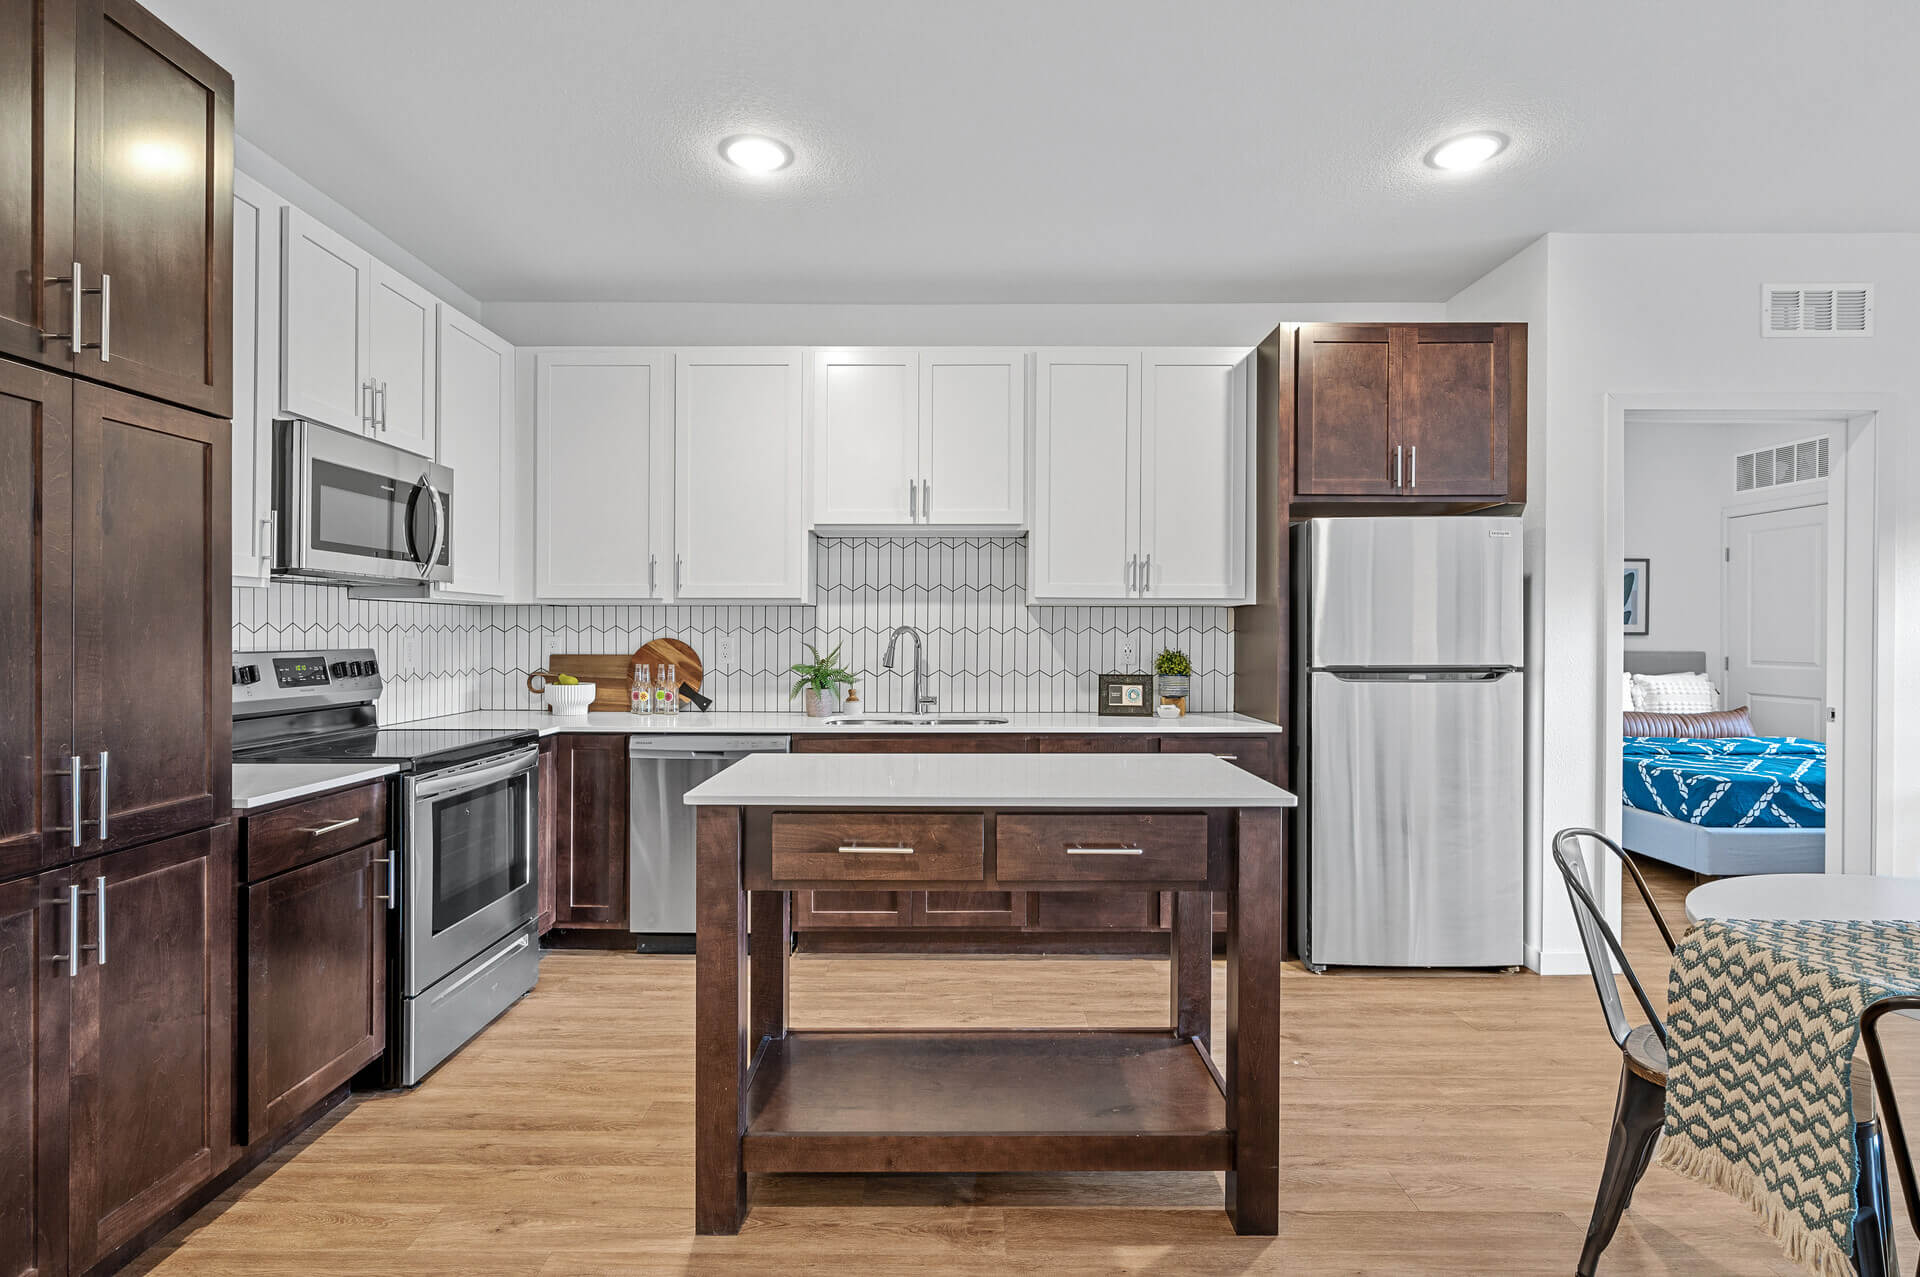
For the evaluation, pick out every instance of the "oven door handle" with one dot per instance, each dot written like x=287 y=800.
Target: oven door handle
x=521 y=762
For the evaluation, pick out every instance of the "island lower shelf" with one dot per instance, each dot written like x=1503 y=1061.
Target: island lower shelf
x=961 y=1100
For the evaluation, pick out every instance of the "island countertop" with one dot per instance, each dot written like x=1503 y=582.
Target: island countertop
x=1132 y=782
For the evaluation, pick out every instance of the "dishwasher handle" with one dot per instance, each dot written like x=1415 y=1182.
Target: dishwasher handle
x=730 y=747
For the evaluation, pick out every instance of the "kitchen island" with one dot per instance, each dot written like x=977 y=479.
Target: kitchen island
x=768 y=1100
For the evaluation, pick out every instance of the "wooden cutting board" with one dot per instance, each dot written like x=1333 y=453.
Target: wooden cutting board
x=606 y=671
x=685 y=661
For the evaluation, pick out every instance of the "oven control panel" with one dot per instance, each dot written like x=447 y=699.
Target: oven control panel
x=281 y=679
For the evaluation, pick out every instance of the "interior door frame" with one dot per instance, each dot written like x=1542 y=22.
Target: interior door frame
x=1830 y=604
x=1859 y=833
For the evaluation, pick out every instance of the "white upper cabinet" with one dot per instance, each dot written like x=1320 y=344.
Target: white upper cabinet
x=973 y=437
x=1141 y=477
x=474 y=428
x=740 y=496
x=918 y=437
x=400 y=344
x=1194 y=475
x=866 y=436
x=326 y=297
x=256 y=374
x=1086 y=454
x=603 y=458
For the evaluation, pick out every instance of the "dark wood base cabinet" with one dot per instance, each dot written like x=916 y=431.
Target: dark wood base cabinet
x=589 y=802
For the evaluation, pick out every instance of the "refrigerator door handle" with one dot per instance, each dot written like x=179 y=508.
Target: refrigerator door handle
x=1488 y=675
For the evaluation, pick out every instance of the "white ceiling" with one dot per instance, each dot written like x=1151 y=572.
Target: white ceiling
x=1064 y=150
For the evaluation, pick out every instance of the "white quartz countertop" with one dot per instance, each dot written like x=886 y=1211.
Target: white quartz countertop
x=692 y=722
x=263 y=784
x=1115 y=782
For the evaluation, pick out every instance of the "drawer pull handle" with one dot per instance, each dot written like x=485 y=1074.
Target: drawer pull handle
x=877 y=851
x=318 y=830
x=1106 y=851
x=1232 y=758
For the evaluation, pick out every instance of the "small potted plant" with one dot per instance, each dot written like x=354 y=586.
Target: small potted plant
x=821 y=678
x=1173 y=678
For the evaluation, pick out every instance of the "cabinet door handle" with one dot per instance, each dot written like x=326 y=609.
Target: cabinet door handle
x=677 y=573
x=72 y=956
x=913 y=502
x=72 y=335
x=926 y=499
x=320 y=830
x=1397 y=450
x=653 y=562
x=99 y=945
x=1413 y=466
x=1232 y=758
x=266 y=523
x=101 y=766
x=1106 y=851
x=1146 y=574
x=1133 y=571
x=106 y=317
x=387 y=899
x=877 y=851
x=366 y=406
x=74 y=773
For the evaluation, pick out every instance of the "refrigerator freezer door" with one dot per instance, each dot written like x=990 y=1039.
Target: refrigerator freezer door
x=1413 y=593
x=1415 y=811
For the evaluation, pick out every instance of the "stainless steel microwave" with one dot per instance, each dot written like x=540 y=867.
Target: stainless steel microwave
x=347 y=508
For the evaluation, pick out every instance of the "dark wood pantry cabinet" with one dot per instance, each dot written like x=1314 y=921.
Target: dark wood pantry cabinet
x=1395 y=414
x=116 y=200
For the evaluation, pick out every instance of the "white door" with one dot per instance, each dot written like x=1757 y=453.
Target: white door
x=1086 y=484
x=325 y=294
x=1776 y=610
x=866 y=443
x=603 y=421
x=256 y=374
x=973 y=437
x=474 y=401
x=401 y=334
x=1193 y=476
x=740 y=496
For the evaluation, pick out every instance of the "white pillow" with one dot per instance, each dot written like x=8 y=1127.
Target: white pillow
x=1629 y=694
x=1675 y=694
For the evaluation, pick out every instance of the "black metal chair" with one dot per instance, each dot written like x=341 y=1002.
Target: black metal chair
x=1640 y=1110
x=1889 y=1120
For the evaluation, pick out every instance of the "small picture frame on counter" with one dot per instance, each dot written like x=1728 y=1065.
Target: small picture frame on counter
x=1126 y=695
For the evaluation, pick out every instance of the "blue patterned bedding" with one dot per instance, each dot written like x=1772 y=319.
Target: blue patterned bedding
x=1736 y=782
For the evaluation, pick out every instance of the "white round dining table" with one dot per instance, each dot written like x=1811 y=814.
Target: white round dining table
x=1807 y=898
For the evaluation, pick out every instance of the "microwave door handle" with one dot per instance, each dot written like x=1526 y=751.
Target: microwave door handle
x=439 y=526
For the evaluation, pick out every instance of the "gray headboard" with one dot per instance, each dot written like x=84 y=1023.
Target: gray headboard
x=1666 y=662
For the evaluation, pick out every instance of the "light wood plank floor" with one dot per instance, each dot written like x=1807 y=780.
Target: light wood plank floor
x=1432 y=1125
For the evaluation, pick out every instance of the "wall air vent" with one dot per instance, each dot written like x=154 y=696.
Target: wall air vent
x=1816 y=310
x=1800 y=462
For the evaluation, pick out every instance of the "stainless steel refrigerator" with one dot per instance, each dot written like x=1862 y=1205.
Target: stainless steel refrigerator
x=1412 y=721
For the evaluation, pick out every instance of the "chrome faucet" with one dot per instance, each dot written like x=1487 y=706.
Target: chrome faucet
x=922 y=702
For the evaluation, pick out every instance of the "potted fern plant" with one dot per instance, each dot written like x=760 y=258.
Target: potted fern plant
x=1173 y=678
x=820 y=679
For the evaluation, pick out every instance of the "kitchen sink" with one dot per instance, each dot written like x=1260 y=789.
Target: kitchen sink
x=874 y=720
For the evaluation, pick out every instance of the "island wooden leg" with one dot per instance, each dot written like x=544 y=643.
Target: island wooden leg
x=1254 y=913
x=1191 y=941
x=720 y=1025
x=772 y=945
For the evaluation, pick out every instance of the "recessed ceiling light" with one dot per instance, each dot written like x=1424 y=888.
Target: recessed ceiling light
x=754 y=154
x=1470 y=150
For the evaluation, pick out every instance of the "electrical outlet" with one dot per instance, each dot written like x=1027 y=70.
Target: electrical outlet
x=1129 y=656
x=724 y=658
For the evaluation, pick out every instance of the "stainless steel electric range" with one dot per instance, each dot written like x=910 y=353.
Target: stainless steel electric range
x=462 y=886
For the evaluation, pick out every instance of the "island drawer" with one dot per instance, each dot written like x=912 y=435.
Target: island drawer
x=879 y=846
x=1102 y=848
x=302 y=832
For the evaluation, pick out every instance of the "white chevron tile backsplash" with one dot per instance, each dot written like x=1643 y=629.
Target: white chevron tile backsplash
x=986 y=650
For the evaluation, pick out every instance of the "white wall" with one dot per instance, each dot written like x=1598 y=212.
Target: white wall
x=1678 y=316
x=832 y=324
x=1679 y=480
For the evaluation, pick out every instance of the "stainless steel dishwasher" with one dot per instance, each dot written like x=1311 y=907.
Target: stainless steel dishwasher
x=660 y=848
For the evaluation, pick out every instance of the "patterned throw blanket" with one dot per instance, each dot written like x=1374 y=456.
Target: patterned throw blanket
x=1764 y=1018
x=1738 y=782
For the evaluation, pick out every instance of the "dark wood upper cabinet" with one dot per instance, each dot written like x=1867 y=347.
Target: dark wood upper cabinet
x=1343 y=436
x=152 y=1050
x=153 y=208
x=36 y=631
x=150 y=616
x=36 y=180
x=590 y=840
x=1429 y=413
x=34 y=1006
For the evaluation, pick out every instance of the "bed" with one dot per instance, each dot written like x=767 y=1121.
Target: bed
x=1724 y=806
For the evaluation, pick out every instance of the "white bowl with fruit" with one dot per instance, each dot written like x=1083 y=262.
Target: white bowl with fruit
x=563 y=693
